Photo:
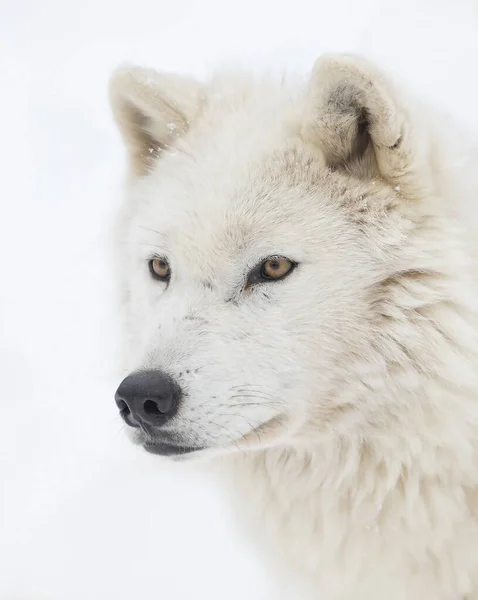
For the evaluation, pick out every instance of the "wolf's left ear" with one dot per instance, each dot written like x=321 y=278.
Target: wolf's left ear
x=152 y=110
x=357 y=120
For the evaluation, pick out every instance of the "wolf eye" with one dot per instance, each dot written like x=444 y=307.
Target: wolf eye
x=276 y=267
x=271 y=269
x=159 y=269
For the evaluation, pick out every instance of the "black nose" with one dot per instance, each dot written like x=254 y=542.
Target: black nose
x=148 y=398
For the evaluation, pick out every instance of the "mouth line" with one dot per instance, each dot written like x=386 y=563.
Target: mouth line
x=161 y=447
x=165 y=449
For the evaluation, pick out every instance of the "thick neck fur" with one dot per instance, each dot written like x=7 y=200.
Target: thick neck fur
x=399 y=451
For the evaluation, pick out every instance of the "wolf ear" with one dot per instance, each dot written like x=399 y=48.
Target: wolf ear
x=357 y=120
x=152 y=111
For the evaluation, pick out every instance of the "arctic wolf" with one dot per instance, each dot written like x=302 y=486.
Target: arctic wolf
x=299 y=278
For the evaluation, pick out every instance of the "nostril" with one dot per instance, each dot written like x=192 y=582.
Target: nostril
x=123 y=408
x=151 y=408
x=126 y=413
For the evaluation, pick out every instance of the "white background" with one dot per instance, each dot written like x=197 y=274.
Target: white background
x=84 y=515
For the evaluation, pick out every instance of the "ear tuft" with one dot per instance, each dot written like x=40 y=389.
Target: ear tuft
x=152 y=111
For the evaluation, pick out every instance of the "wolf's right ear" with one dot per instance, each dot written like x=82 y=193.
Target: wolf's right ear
x=152 y=111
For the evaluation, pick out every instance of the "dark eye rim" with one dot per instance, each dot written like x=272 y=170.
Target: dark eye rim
x=256 y=275
x=153 y=273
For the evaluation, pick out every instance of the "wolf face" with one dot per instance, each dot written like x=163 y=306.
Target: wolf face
x=266 y=229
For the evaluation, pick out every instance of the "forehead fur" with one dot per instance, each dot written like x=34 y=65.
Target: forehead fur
x=245 y=168
x=244 y=121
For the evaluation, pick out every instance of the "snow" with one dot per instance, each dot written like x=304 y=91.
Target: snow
x=84 y=515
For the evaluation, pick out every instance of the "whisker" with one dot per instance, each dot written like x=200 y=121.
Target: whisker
x=152 y=230
x=231 y=438
x=265 y=404
x=121 y=428
x=229 y=435
x=253 y=428
x=265 y=400
x=141 y=244
x=246 y=418
x=253 y=423
x=251 y=390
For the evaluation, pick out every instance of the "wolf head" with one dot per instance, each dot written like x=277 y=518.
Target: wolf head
x=267 y=233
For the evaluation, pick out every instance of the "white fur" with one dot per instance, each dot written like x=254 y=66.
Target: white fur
x=343 y=400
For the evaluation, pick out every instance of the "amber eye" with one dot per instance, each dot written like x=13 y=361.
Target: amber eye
x=159 y=269
x=276 y=267
x=273 y=268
